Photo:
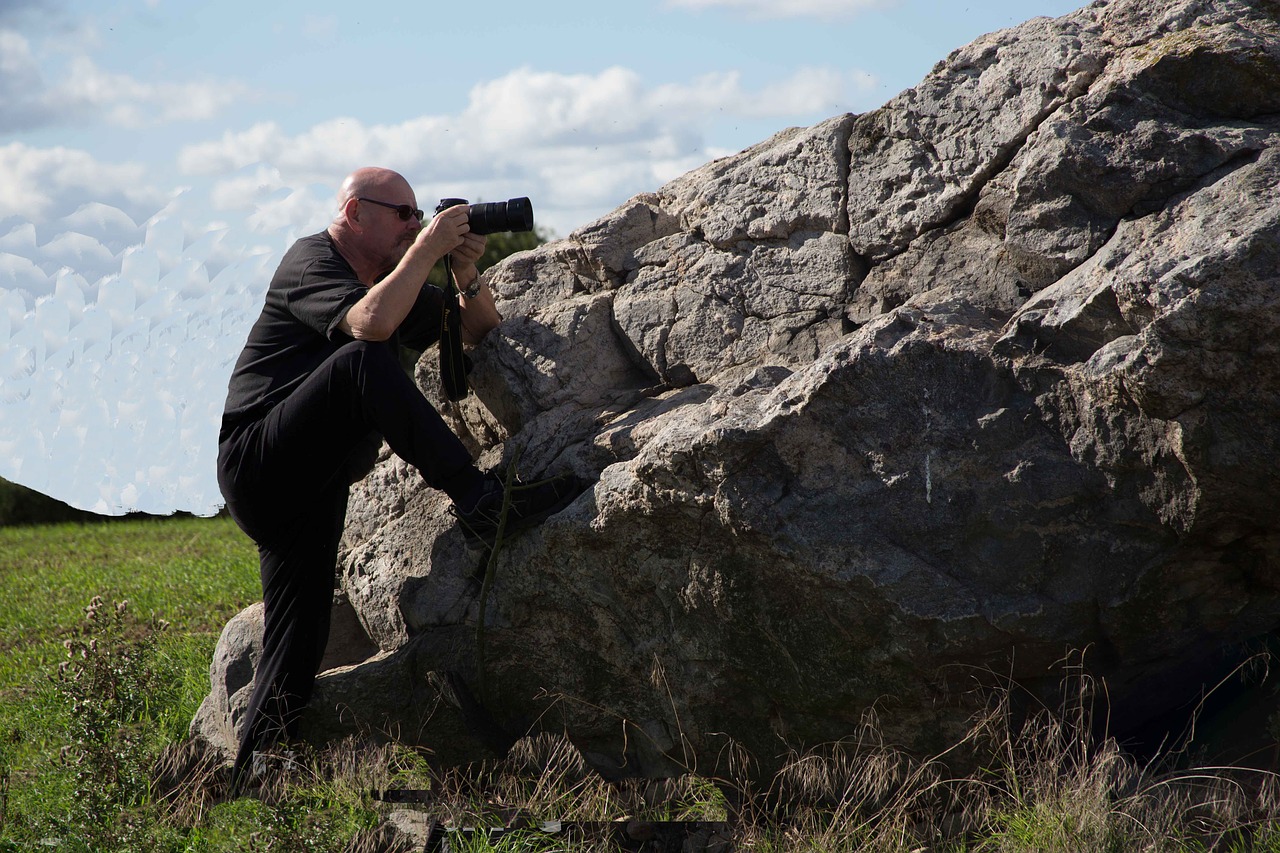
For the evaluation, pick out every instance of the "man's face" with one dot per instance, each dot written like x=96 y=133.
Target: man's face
x=390 y=222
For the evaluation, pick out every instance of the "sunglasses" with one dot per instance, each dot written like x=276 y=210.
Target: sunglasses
x=404 y=211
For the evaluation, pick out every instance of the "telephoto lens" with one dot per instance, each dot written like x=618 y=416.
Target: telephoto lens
x=491 y=217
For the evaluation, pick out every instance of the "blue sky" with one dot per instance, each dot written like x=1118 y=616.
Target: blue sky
x=156 y=158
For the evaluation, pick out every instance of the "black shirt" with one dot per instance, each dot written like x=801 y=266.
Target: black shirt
x=311 y=292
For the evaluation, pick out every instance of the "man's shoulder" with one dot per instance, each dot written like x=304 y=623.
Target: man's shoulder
x=318 y=245
x=314 y=254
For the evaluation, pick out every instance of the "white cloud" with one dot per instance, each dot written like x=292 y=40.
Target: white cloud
x=814 y=90
x=41 y=184
x=260 y=143
x=123 y=305
x=111 y=392
x=22 y=88
x=19 y=272
x=293 y=213
x=248 y=189
x=545 y=108
x=823 y=9
x=78 y=251
x=85 y=92
x=128 y=102
x=571 y=141
x=824 y=91
x=110 y=225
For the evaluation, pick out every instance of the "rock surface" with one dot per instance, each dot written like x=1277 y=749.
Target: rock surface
x=960 y=385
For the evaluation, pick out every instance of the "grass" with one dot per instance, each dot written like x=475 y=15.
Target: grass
x=96 y=696
x=192 y=573
x=195 y=573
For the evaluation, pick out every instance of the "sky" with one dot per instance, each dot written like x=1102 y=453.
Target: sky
x=157 y=158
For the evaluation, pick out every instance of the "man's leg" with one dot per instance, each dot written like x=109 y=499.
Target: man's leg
x=298 y=573
x=271 y=473
x=361 y=388
x=285 y=481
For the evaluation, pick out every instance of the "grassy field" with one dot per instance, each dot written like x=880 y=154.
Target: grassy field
x=192 y=573
x=195 y=573
x=96 y=696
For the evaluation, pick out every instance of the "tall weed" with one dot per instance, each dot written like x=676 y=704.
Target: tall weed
x=112 y=682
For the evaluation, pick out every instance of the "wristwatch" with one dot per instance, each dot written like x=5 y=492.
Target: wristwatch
x=474 y=289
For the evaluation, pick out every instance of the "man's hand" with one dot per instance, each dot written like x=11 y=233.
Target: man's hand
x=379 y=313
x=446 y=233
x=465 y=257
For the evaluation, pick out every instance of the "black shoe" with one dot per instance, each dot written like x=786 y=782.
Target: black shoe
x=265 y=768
x=527 y=505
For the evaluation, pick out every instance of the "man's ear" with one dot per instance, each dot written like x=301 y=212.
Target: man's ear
x=351 y=211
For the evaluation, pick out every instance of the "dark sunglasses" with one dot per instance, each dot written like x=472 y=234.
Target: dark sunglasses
x=404 y=211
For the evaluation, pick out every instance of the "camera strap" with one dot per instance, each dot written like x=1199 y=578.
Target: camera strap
x=453 y=362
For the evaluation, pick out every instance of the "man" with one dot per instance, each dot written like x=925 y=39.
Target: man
x=317 y=387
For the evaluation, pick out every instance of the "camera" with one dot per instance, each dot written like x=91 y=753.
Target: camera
x=492 y=217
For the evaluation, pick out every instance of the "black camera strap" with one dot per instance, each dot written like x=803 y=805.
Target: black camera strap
x=453 y=362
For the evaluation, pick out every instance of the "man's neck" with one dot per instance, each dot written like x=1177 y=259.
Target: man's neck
x=366 y=268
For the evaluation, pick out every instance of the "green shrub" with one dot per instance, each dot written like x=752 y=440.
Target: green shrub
x=114 y=684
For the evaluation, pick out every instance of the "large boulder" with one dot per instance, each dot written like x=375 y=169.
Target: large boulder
x=959 y=386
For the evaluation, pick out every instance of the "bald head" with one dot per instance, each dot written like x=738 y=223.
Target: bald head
x=372 y=182
x=369 y=232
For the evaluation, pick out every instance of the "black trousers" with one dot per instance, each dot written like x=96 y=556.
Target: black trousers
x=285 y=478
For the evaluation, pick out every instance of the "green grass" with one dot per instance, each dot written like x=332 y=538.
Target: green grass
x=193 y=573
x=90 y=708
x=192 y=570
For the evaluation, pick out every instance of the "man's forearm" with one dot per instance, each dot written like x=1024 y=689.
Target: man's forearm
x=479 y=314
x=381 y=311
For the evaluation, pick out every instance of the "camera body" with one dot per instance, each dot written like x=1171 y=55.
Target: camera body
x=492 y=217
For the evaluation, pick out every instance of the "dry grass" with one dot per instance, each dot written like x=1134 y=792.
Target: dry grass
x=1038 y=780
x=1044 y=783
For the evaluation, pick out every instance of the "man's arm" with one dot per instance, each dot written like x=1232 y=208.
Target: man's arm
x=479 y=313
x=383 y=308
